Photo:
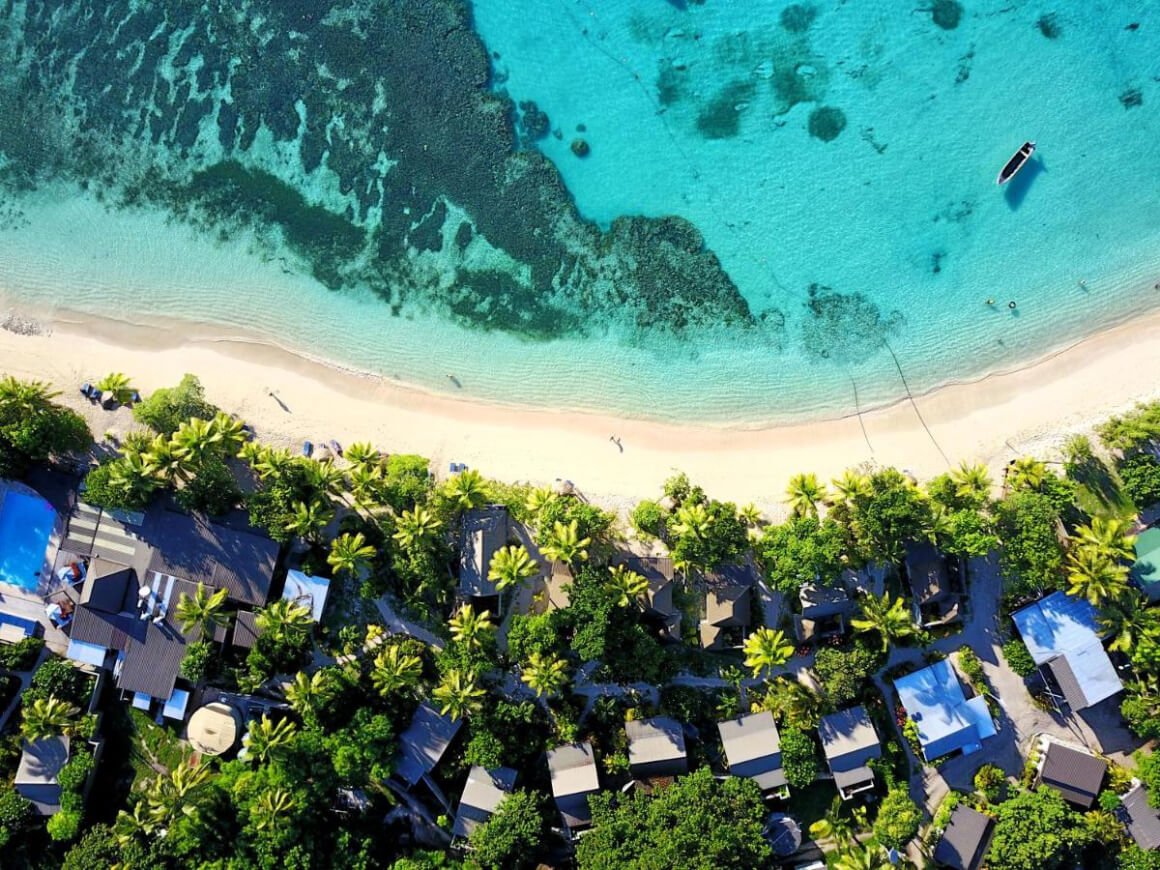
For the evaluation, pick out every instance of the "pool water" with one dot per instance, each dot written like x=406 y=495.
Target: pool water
x=25 y=525
x=1147 y=568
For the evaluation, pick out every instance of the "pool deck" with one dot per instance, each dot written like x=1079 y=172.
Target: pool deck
x=21 y=602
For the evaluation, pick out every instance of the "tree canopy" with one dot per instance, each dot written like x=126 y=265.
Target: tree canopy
x=1036 y=830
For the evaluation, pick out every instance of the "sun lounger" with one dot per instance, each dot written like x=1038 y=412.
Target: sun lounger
x=336 y=447
x=307 y=449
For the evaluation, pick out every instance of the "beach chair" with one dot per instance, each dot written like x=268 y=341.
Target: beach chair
x=336 y=447
x=307 y=449
x=89 y=392
x=135 y=398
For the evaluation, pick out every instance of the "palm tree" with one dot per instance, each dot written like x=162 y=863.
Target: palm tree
x=307 y=693
x=851 y=485
x=203 y=609
x=458 y=695
x=1127 y=619
x=767 y=649
x=416 y=528
x=793 y=703
x=1108 y=536
x=323 y=477
x=231 y=432
x=25 y=397
x=750 y=515
x=362 y=454
x=285 y=621
x=393 y=671
x=692 y=521
x=273 y=462
x=890 y=619
x=166 y=462
x=270 y=806
x=972 y=482
x=309 y=519
x=365 y=481
x=838 y=825
x=511 y=566
x=350 y=554
x=135 y=826
x=540 y=498
x=804 y=492
x=1026 y=472
x=46 y=717
x=118 y=384
x=1093 y=575
x=545 y=675
x=469 y=627
x=564 y=544
x=266 y=736
x=466 y=490
x=861 y=858
x=196 y=440
x=626 y=587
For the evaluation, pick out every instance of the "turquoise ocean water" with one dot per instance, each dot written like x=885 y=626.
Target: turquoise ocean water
x=376 y=208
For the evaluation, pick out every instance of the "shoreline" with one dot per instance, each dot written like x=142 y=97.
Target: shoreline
x=989 y=419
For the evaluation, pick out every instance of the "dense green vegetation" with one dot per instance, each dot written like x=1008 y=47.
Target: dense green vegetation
x=35 y=429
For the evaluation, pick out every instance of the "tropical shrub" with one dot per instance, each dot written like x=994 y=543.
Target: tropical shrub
x=20 y=656
x=648 y=518
x=843 y=672
x=991 y=782
x=1141 y=475
x=799 y=757
x=513 y=837
x=1037 y=830
x=1018 y=658
x=167 y=408
x=898 y=819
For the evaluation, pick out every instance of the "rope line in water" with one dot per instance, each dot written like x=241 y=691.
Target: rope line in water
x=914 y=404
x=858 y=411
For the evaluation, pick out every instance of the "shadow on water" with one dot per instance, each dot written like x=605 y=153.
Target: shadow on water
x=1016 y=190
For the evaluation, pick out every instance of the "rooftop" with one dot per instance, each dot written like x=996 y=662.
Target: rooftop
x=1063 y=627
x=213 y=729
x=1075 y=775
x=653 y=741
x=422 y=745
x=946 y=720
x=574 y=777
x=306 y=591
x=849 y=734
x=964 y=842
x=485 y=530
x=1141 y=818
x=927 y=570
x=481 y=797
x=753 y=748
x=40 y=764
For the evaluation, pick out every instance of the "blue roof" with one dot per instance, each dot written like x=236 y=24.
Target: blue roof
x=947 y=722
x=1061 y=626
x=310 y=592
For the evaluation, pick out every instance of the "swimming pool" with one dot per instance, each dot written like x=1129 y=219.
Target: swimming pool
x=26 y=522
x=1147 y=567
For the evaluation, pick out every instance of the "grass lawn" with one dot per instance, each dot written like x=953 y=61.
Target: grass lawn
x=808 y=805
x=1101 y=492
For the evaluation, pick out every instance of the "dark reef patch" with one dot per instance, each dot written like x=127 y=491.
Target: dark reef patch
x=1049 y=25
x=946 y=14
x=1132 y=98
x=720 y=118
x=128 y=98
x=845 y=327
x=827 y=123
x=670 y=83
x=797 y=18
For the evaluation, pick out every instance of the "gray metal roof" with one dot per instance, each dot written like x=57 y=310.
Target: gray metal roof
x=660 y=739
x=246 y=629
x=485 y=530
x=422 y=745
x=1075 y=775
x=848 y=739
x=40 y=764
x=110 y=630
x=574 y=777
x=753 y=748
x=927 y=570
x=481 y=797
x=1141 y=818
x=151 y=666
x=965 y=840
x=108 y=585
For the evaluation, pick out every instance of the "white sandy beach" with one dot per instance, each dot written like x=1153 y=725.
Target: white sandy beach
x=991 y=420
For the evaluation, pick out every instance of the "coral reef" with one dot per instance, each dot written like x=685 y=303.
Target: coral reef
x=827 y=123
x=845 y=327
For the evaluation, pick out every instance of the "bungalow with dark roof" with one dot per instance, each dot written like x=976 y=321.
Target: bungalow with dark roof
x=574 y=777
x=423 y=744
x=726 y=605
x=1075 y=774
x=482 y=795
x=660 y=573
x=935 y=602
x=484 y=531
x=36 y=777
x=849 y=742
x=824 y=612
x=1140 y=818
x=753 y=749
x=656 y=747
x=964 y=843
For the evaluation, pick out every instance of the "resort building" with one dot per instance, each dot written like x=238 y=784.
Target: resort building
x=1140 y=818
x=1074 y=773
x=849 y=742
x=214 y=728
x=124 y=618
x=482 y=795
x=656 y=747
x=1146 y=568
x=725 y=613
x=935 y=601
x=574 y=777
x=661 y=576
x=484 y=531
x=753 y=749
x=947 y=722
x=36 y=778
x=422 y=746
x=824 y=612
x=964 y=843
x=553 y=588
x=307 y=591
x=1061 y=633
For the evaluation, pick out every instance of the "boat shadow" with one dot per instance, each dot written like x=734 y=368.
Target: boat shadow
x=1017 y=188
